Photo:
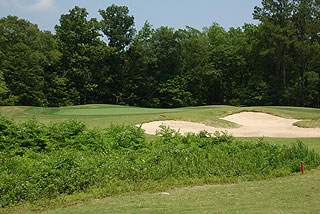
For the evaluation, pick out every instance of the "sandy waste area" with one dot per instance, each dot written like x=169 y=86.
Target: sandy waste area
x=252 y=124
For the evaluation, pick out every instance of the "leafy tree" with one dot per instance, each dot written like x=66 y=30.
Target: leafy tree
x=221 y=58
x=168 y=64
x=305 y=19
x=273 y=63
x=78 y=40
x=56 y=89
x=165 y=42
x=173 y=93
x=20 y=64
x=289 y=28
x=202 y=79
x=118 y=26
x=141 y=79
x=5 y=97
x=312 y=86
x=3 y=86
x=276 y=16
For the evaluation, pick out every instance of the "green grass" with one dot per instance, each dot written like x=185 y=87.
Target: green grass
x=297 y=194
x=94 y=115
x=290 y=112
x=312 y=143
x=113 y=110
x=294 y=194
x=308 y=123
x=104 y=115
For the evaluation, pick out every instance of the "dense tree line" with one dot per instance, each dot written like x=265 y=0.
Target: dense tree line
x=88 y=61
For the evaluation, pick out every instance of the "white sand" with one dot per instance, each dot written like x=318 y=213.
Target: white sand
x=253 y=124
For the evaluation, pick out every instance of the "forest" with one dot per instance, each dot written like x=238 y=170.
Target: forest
x=107 y=60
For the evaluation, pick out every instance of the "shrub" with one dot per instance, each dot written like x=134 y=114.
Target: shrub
x=20 y=138
x=125 y=137
x=38 y=161
x=61 y=133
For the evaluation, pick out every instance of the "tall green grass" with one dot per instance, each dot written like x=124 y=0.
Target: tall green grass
x=43 y=161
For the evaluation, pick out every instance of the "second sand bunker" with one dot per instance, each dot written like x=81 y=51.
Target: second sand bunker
x=252 y=124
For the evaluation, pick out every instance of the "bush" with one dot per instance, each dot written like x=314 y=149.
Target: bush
x=125 y=137
x=38 y=161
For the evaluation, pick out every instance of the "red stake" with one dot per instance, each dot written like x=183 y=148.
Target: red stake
x=302 y=169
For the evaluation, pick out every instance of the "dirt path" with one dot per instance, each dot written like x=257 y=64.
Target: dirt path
x=253 y=124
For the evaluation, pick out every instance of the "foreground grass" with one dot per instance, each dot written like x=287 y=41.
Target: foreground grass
x=281 y=195
x=293 y=194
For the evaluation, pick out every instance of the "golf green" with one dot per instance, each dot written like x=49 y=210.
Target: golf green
x=115 y=111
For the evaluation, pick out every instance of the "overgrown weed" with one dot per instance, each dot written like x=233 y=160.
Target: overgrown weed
x=44 y=161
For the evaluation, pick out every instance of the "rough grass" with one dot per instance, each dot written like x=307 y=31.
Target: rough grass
x=293 y=194
x=289 y=112
x=312 y=143
x=308 y=124
x=40 y=161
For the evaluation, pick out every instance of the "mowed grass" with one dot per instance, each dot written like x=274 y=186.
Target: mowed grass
x=113 y=110
x=293 y=194
x=103 y=115
x=100 y=116
x=310 y=117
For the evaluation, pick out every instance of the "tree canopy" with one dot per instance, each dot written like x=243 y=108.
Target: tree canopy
x=106 y=60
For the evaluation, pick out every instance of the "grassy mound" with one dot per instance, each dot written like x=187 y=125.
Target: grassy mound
x=102 y=115
x=43 y=161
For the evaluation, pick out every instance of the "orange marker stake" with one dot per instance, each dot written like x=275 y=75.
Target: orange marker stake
x=302 y=169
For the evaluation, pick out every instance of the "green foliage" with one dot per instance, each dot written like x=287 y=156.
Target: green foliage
x=125 y=137
x=5 y=97
x=80 y=46
x=20 y=65
x=173 y=93
x=117 y=25
x=273 y=63
x=38 y=161
x=18 y=139
x=61 y=133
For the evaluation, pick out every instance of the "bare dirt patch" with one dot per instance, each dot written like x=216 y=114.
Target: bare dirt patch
x=252 y=124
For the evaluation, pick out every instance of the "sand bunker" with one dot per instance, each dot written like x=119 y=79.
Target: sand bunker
x=253 y=124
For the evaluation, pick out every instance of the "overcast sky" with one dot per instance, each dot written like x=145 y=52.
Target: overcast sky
x=172 y=13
